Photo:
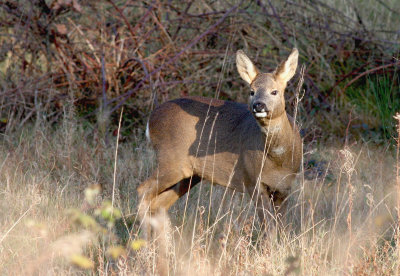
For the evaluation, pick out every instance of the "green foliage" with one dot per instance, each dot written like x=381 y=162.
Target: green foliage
x=108 y=213
x=93 y=220
x=378 y=99
x=83 y=220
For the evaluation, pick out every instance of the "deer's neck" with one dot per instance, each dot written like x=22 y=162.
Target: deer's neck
x=278 y=134
x=273 y=127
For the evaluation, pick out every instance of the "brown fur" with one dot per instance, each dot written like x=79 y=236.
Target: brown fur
x=223 y=142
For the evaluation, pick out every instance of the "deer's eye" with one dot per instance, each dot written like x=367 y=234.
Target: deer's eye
x=275 y=92
x=252 y=93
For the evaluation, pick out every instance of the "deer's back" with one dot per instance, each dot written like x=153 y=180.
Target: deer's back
x=202 y=123
x=209 y=134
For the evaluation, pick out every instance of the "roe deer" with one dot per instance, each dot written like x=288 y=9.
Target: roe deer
x=257 y=150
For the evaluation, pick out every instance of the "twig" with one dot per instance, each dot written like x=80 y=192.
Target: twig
x=90 y=45
x=368 y=72
x=298 y=98
x=104 y=82
x=345 y=76
x=387 y=7
x=115 y=161
x=171 y=60
x=131 y=30
x=279 y=20
x=180 y=20
x=397 y=118
x=16 y=223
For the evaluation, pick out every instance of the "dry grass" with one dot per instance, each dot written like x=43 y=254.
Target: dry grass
x=44 y=173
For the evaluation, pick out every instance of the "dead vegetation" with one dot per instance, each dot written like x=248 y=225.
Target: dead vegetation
x=49 y=225
x=100 y=55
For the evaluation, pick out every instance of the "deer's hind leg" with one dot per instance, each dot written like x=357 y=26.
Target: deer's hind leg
x=168 y=197
x=148 y=191
x=152 y=201
x=161 y=190
x=155 y=185
x=153 y=197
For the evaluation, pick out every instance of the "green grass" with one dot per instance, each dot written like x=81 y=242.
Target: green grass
x=377 y=101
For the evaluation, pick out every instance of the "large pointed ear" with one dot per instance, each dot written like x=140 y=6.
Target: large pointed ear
x=245 y=67
x=287 y=69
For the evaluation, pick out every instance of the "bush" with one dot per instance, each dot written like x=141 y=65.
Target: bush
x=101 y=55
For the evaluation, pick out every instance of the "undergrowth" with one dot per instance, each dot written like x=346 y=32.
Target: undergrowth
x=377 y=102
x=55 y=220
x=103 y=55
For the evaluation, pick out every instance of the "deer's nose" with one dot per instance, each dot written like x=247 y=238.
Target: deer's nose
x=259 y=107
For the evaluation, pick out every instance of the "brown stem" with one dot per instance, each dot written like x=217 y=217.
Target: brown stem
x=368 y=72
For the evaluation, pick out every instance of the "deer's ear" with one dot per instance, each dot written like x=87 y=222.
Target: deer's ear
x=245 y=67
x=286 y=70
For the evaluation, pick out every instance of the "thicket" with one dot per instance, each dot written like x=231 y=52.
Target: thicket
x=98 y=56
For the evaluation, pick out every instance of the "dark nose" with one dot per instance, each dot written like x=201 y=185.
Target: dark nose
x=259 y=107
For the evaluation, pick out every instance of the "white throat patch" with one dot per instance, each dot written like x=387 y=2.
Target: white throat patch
x=279 y=150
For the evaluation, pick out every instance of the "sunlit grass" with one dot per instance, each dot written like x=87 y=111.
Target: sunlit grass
x=49 y=224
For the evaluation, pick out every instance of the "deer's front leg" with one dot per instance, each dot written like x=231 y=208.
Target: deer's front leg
x=264 y=208
x=277 y=183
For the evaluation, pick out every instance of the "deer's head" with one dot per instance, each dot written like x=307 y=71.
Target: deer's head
x=267 y=100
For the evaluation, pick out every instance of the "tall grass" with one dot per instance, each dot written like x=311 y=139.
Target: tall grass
x=377 y=102
x=49 y=224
